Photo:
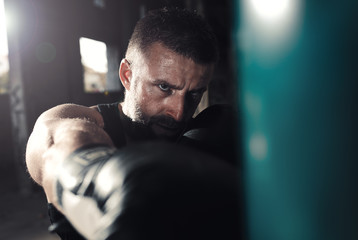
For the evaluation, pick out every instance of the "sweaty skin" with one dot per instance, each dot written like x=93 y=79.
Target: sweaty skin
x=163 y=88
x=58 y=132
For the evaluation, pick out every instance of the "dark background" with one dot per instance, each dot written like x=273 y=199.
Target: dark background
x=297 y=103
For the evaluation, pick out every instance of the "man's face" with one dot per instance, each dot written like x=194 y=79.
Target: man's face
x=163 y=89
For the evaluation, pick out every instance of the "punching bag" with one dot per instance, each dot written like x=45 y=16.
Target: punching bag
x=298 y=68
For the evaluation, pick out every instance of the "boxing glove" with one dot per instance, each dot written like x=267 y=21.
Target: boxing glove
x=216 y=131
x=149 y=191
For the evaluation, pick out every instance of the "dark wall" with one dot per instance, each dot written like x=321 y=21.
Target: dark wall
x=7 y=165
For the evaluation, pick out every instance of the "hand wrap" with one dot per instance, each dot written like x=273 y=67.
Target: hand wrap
x=86 y=183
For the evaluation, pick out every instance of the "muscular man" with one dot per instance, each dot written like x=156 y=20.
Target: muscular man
x=167 y=67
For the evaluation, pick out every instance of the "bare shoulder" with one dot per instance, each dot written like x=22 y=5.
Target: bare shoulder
x=74 y=111
x=62 y=128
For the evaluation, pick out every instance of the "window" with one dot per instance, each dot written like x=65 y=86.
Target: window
x=4 y=59
x=100 y=66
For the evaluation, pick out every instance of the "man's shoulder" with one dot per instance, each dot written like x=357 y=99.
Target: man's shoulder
x=107 y=106
x=71 y=111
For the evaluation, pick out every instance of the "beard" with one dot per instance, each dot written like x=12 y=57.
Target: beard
x=155 y=127
x=166 y=127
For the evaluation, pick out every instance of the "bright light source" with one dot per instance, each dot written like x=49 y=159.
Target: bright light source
x=94 y=54
x=3 y=34
x=100 y=66
x=269 y=27
x=4 y=52
x=95 y=64
x=271 y=10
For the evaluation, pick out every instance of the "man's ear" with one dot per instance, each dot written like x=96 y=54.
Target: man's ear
x=125 y=74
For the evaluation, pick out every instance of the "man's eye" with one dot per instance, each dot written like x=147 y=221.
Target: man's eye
x=164 y=87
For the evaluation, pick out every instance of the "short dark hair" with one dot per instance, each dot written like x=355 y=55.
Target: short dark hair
x=180 y=30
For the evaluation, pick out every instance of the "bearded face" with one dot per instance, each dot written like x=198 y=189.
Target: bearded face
x=163 y=89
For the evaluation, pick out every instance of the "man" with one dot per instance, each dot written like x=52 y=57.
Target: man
x=167 y=68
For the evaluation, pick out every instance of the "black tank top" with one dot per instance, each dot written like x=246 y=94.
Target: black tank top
x=114 y=128
x=113 y=123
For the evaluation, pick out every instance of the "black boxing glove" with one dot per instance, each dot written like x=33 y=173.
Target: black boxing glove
x=83 y=190
x=215 y=130
x=149 y=191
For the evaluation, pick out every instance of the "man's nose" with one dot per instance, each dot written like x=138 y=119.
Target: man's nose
x=176 y=107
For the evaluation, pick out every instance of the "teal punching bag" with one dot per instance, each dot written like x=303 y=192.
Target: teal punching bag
x=297 y=65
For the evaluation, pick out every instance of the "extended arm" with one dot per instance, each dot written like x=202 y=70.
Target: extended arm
x=57 y=133
x=144 y=191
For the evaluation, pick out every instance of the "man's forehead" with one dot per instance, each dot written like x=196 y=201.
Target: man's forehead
x=162 y=49
x=162 y=64
x=157 y=49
